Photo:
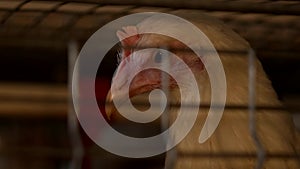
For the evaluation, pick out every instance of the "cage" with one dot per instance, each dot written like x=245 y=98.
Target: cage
x=40 y=41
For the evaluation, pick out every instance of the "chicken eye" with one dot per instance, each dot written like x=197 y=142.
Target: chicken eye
x=158 y=57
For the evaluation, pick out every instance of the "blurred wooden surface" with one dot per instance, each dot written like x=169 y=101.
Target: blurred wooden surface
x=38 y=100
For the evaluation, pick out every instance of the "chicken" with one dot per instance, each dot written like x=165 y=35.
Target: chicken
x=274 y=128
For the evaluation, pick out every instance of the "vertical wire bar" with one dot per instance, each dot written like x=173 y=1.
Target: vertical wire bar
x=171 y=155
x=76 y=144
x=252 y=120
x=165 y=63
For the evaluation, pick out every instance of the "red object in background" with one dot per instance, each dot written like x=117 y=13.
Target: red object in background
x=102 y=86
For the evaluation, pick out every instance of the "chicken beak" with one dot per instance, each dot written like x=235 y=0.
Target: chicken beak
x=139 y=101
x=109 y=106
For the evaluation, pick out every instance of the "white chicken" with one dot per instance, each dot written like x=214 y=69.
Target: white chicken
x=274 y=128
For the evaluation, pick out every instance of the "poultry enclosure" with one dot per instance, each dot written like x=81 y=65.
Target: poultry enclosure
x=40 y=41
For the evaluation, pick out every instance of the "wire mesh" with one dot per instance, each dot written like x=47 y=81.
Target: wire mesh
x=239 y=14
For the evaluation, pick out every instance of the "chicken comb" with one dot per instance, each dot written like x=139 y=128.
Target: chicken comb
x=129 y=38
